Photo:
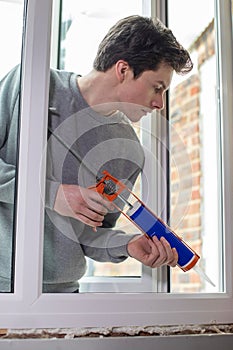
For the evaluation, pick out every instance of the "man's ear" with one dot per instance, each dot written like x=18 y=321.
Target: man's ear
x=121 y=68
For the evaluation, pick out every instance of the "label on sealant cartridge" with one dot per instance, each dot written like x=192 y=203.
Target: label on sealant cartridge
x=153 y=226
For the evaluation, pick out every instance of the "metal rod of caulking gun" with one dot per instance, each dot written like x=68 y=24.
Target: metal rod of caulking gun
x=125 y=201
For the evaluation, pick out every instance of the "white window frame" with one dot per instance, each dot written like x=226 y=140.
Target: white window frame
x=27 y=307
x=150 y=280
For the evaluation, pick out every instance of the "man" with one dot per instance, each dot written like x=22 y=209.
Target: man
x=90 y=131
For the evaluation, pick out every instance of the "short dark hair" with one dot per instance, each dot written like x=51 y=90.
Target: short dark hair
x=144 y=43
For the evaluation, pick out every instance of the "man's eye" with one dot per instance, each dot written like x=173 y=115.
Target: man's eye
x=157 y=89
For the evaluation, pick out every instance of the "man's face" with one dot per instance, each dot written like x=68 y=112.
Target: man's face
x=146 y=93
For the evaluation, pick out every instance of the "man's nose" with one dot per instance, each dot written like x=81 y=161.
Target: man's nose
x=158 y=102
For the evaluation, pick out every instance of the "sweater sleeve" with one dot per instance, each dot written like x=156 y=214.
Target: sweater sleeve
x=9 y=120
x=106 y=244
x=9 y=115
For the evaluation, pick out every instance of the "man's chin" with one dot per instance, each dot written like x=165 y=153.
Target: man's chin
x=138 y=115
x=133 y=112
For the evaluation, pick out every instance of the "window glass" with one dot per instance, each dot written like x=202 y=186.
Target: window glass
x=83 y=25
x=195 y=172
x=195 y=207
x=11 y=24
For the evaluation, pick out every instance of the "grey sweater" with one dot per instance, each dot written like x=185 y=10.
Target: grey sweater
x=103 y=143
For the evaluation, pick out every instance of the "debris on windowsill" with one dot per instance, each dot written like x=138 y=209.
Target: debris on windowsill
x=3 y=332
x=134 y=331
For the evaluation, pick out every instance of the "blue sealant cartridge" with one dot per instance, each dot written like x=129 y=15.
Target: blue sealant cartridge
x=152 y=225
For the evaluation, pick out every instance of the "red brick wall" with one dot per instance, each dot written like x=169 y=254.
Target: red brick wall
x=186 y=174
x=186 y=119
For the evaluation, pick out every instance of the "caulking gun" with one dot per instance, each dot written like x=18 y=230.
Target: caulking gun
x=147 y=222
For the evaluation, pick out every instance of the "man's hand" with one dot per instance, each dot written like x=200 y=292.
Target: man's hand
x=152 y=252
x=82 y=204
